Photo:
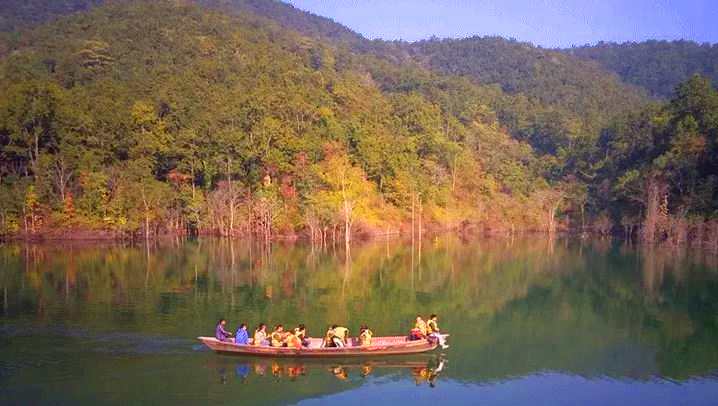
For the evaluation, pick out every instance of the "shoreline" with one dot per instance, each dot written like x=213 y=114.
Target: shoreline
x=464 y=230
x=468 y=230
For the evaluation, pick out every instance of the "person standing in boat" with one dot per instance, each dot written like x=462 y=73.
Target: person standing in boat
x=241 y=336
x=260 y=335
x=220 y=333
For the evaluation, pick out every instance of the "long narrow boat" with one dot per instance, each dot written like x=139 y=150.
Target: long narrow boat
x=380 y=346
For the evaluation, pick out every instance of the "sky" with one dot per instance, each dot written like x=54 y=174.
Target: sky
x=559 y=23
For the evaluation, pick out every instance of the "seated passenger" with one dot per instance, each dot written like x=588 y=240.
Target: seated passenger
x=292 y=341
x=365 y=335
x=220 y=333
x=421 y=325
x=432 y=325
x=341 y=335
x=415 y=334
x=241 y=336
x=433 y=331
x=277 y=336
x=260 y=335
x=329 y=338
x=301 y=333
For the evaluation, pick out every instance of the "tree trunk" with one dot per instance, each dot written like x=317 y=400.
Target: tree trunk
x=654 y=193
x=453 y=176
x=147 y=226
x=231 y=196
x=347 y=226
x=147 y=215
x=412 y=221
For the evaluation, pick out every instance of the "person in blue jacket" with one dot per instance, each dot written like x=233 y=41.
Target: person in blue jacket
x=241 y=337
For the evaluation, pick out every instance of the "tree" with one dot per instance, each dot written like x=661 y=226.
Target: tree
x=344 y=188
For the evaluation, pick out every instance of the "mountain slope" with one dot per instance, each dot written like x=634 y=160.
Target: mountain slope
x=162 y=115
x=551 y=99
x=16 y=14
x=547 y=98
x=658 y=66
x=285 y=14
x=554 y=79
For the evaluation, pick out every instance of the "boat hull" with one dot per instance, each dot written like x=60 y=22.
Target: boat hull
x=381 y=346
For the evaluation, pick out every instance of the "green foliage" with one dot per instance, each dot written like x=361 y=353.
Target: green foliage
x=552 y=100
x=676 y=143
x=147 y=116
x=142 y=116
x=658 y=66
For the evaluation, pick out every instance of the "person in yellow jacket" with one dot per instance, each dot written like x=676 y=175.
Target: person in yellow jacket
x=277 y=336
x=432 y=325
x=365 y=335
x=421 y=326
x=292 y=341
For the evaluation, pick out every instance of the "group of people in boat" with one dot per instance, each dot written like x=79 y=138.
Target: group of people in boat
x=428 y=329
x=423 y=329
x=336 y=336
x=279 y=337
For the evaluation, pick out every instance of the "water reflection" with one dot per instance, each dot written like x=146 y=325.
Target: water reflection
x=424 y=370
x=593 y=308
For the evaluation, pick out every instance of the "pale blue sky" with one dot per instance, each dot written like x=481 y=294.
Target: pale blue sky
x=546 y=23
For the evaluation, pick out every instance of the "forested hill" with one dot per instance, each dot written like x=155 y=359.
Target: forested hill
x=16 y=14
x=570 y=99
x=159 y=116
x=303 y=22
x=252 y=117
x=548 y=76
x=557 y=102
x=658 y=66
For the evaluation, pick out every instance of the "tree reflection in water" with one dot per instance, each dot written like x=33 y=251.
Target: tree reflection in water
x=590 y=307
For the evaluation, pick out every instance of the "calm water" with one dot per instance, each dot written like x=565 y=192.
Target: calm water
x=532 y=322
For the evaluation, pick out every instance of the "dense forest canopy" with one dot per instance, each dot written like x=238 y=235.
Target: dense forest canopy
x=658 y=66
x=241 y=117
x=16 y=14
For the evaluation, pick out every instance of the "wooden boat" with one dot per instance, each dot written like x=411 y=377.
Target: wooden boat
x=399 y=345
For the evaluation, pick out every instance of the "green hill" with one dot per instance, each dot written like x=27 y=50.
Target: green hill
x=16 y=14
x=163 y=116
x=658 y=66
x=547 y=98
x=234 y=117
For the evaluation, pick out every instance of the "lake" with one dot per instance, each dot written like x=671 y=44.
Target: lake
x=532 y=321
